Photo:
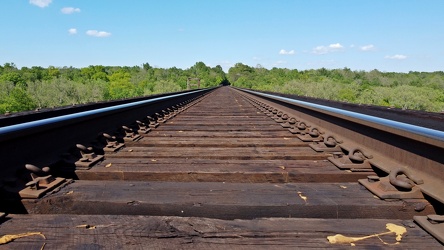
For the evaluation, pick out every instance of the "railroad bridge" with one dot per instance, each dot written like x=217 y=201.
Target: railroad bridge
x=217 y=168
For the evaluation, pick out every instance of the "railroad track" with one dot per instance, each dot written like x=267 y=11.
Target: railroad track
x=216 y=168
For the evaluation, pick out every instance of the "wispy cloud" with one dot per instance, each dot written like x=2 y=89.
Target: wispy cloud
x=369 y=47
x=320 y=50
x=40 y=3
x=396 y=57
x=69 y=10
x=98 y=33
x=72 y=31
x=285 y=52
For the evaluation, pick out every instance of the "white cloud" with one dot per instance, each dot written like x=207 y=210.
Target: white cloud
x=320 y=50
x=69 y=10
x=396 y=57
x=369 y=47
x=335 y=46
x=284 y=52
x=72 y=31
x=40 y=3
x=98 y=33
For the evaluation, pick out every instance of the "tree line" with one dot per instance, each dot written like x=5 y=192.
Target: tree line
x=413 y=90
x=38 y=88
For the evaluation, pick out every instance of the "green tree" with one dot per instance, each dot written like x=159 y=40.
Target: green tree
x=17 y=100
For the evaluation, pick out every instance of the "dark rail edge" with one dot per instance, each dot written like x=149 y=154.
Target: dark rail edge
x=43 y=142
x=417 y=149
x=432 y=120
x=20 y=129
x=33 y=115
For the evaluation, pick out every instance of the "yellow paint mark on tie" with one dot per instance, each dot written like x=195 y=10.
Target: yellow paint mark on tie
x=341 y=239
x=11 y=237
x=108 y=165
x=87 y=226
x=302 y=196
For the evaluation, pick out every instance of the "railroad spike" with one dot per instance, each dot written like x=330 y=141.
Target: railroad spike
x=289 y=122
x=277 y=116
x=314 y=134
x=36 y=170
x=299 y=128
x=355 y=160
x=41 y=182
x=130 y=135
x=166 y=114
x=143 y=127
x=89 y=157
x=282 y=118
x=112 y=145
x=152 y=122
x=172 y=112
x=400 y=184
x=160 y=118
x=329 y=144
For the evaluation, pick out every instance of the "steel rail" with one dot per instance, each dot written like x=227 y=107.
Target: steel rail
x=393 y=144
x=430 y=133
x=45 y=141
x=6 y=131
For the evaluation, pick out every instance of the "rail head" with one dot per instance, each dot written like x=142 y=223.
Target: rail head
x=430 y=136
x=22 y=129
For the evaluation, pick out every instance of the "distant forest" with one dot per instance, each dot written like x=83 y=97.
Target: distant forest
x=38 y=88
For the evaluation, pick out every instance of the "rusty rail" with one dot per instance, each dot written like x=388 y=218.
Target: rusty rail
x=393 y=145
x=56 y=135
x=8 y=132
x=436 y=136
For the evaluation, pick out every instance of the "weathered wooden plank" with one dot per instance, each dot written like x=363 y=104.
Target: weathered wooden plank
x=229 y=120
x=141 y=232
x=254 y=150
x=255 y=171
x=213 y=127
x=221 y=153
x=222 y=200
x=224 y=134
x=151 y=141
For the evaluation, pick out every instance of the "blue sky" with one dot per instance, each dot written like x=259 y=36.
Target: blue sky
x=388 y=35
